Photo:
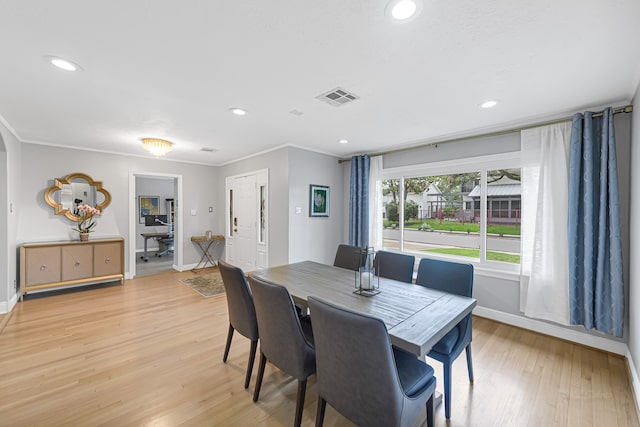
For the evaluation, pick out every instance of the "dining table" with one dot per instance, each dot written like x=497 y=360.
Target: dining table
x=416 y=317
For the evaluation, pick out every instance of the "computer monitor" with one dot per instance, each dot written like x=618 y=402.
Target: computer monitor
x=151 y=220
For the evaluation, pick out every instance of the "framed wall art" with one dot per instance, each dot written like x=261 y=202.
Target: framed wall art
x=148 y=205
x=318 y=200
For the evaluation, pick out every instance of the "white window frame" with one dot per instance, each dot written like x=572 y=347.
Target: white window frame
x=481 y=164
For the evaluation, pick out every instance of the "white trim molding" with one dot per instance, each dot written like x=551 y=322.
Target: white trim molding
x=635 y=382
x=601 y=343
x=7 y=306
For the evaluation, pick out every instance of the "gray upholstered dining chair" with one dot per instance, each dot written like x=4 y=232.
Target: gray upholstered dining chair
x=455 y=278
x=362 y=376
x=242 y=313
x=394 y=266
x=350 y=257
x=285 y=339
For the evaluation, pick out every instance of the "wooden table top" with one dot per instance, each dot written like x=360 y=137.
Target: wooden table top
x=150 y=235
x=206 y=238
x=416 y=317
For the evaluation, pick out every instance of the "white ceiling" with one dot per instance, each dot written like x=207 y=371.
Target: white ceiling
x=172 y=69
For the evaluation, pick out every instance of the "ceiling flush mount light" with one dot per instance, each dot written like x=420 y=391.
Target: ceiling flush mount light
x=63 y=64
x=343 y=141
x=157 y=147
x=238 y=111
x=404 y=10
x=489 y=104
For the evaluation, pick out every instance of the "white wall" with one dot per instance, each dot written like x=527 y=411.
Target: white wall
x=455 y=150
x=10 y=154
x=295 y=237
x=314 y=238
x=163 y=188
x=41 y=164
x=634 y=237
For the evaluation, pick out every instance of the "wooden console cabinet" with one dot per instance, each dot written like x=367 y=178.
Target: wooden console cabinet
x=59 y=264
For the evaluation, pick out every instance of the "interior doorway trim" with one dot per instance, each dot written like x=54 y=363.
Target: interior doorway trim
x=178 y=261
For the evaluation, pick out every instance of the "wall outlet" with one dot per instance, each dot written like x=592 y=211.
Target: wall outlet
x=210 y=209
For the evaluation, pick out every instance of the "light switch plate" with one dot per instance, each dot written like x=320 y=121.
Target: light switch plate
x=193 y=212
x=298 y=210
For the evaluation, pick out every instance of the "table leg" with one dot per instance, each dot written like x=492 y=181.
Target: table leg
x=206 y=251
x=145 y=257
x=202 y=258
x=205 y=247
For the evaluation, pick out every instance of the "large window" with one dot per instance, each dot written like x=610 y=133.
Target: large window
x=472 y=214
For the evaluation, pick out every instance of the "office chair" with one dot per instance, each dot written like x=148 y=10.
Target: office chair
x=166 y=242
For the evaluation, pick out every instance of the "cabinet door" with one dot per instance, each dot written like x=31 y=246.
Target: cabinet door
x=42 y=265
x=77 y=262
x=107 y=259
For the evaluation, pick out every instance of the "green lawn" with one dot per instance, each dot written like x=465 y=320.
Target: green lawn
x=475 y=253
x=434 y=224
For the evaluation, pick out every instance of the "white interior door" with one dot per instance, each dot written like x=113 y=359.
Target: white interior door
x=242 y=224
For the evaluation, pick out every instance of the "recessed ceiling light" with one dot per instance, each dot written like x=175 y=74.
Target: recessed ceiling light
x=238 y=111
x=343 y=141
x=489 y=104
x=404 y=10
x=63 y=64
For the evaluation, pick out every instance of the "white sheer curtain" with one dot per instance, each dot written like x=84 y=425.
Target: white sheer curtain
x=375 y=202
x=544 y=283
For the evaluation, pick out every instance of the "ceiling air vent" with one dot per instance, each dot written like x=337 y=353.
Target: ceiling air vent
x=337 y=97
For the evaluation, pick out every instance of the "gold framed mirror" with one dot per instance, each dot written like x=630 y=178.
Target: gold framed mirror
x=73 y=190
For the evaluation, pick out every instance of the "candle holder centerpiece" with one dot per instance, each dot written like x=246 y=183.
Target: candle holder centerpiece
x=367 y=280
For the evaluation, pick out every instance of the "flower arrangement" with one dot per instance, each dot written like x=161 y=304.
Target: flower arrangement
x=88 y=222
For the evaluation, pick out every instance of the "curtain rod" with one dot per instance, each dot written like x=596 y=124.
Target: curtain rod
x=625 y=109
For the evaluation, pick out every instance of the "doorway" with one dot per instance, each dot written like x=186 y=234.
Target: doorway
x=156 y=231
x=247 y=220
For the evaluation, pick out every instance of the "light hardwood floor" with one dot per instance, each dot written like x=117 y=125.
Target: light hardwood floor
x=149 y=353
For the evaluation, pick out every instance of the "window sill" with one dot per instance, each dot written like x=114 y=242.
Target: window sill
x=497 y=273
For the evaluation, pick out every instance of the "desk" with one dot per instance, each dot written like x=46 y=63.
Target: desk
x=148 y=236
x=416 y=317
x=207 y=245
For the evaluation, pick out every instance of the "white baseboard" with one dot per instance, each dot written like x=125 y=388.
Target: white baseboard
x=150 y=248
x=557 y=331
x=635 y=382
x=185 y=267
x=7 y=306
x=128 y=275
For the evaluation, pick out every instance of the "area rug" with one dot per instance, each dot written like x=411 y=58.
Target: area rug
x=207 y=285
